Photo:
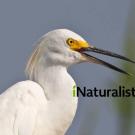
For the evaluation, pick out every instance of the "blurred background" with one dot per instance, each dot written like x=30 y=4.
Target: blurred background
x=107 y=24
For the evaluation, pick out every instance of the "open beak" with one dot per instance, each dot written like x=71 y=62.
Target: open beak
x=93 y=59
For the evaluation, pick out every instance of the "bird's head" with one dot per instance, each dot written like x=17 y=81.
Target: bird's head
x=64 y=47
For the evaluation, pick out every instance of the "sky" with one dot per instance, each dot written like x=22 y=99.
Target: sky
x=101 y=23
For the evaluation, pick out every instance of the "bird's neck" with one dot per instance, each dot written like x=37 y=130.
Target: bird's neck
x=56 y=81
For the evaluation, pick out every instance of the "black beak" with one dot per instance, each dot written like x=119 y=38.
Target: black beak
x=101 y=62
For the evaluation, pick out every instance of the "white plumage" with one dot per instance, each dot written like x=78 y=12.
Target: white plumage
x=44 y=105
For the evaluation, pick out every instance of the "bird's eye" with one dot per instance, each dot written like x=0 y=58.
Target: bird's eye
x=70 y=41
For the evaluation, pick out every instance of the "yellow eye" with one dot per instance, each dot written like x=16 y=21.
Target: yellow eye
x=70 y=41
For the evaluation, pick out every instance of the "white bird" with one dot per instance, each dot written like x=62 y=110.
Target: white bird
x=44 y=105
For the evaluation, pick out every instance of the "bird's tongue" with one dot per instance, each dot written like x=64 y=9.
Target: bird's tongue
x=108 y=53
x=93 y=59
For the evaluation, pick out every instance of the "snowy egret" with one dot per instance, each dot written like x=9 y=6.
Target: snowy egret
x=44 y=105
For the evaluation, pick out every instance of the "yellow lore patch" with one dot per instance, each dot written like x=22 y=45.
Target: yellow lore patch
x=77 y=45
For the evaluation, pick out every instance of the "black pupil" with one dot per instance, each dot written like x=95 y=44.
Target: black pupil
x=71 y=41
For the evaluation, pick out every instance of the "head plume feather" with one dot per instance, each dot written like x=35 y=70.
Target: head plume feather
x=33 y=60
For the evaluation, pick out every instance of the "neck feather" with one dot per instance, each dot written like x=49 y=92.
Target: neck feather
x=54 y=79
